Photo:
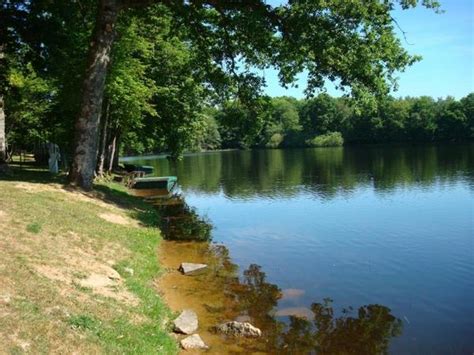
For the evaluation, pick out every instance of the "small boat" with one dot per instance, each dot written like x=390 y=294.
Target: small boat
x=143 y=168
x=162 y=182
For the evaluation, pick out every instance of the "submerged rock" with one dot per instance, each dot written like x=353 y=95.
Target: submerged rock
x=186 y=323
x=300 y=312
x=239 y=329
x=292 y=293
x=193 y=342
x=191 y=268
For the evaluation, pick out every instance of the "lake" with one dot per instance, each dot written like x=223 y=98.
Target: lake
x=365 y=248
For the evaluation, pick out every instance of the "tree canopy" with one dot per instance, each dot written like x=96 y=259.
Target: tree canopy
x=146 y=75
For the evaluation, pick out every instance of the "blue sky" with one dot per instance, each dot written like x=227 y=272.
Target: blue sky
x=446 y=43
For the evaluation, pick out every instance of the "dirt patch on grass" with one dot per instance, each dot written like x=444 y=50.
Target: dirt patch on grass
x=115 y=218
x=78 y=268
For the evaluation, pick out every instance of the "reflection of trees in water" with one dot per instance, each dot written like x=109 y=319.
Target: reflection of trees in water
x=256 y=298
x=325 y=172
x=368 y=331
x=179 y=221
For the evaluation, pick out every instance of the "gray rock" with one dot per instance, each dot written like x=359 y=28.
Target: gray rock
x=190 y=268
x=239 y=329
x=186 y=323
x=193 y=342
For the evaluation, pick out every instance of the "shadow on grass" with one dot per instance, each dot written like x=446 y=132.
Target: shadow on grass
x=108 y=192
x=28 y=172
x=139 y=209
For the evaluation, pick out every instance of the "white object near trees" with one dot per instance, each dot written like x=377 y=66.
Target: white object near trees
x=54 y=157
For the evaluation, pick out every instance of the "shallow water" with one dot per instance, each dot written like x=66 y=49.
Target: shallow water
x=386 y=231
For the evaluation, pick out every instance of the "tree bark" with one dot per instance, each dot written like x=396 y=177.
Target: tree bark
x=87 y=122
x=112 y=150
x=3 y=138
x=3 y=142
x=104 y=138
x=115 y=157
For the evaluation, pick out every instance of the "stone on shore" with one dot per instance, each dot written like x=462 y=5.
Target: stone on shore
x=187 y=322
x=193 y=342
x=239 y=329
x=191 y=268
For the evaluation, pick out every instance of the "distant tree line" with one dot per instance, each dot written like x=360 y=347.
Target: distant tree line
x=327 y=121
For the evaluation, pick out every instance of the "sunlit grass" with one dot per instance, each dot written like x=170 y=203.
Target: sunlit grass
x=52 y=240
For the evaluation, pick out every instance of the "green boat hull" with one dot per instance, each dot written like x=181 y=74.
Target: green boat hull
x=164 y=182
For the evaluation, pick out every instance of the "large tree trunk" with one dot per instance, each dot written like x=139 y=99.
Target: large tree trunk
x=3 y=139
x=3 y=143
x=87 y=123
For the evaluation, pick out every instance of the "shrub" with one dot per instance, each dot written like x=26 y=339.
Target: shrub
x=275 y=141
x=331 y=139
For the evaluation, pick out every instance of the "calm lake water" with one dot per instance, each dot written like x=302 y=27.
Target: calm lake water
x=386 y=233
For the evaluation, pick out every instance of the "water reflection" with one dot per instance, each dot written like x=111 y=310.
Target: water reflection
x=367 y=331
x=220 y=294
x=328 y=331
x=325 y=172
x=179 y=221
x=403 y=240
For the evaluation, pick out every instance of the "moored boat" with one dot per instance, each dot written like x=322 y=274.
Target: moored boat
x=162 y=182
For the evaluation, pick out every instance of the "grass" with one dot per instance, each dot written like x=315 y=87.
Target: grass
x=54 y=242
x=34 y=228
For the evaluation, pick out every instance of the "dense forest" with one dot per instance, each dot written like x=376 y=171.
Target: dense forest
x=107 y=77
x=328 y=121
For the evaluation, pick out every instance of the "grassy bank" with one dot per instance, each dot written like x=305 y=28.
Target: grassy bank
x=77 y=270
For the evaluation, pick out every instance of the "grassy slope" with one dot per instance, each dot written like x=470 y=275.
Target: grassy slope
x=54 y=247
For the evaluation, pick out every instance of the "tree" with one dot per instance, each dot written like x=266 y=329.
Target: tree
x=87 y=123
x=320 y=115
x=3 y=142
x=353 y=42
x=3 y=146
x=422 y=121
x=283 y=119
x=468 y=108
x=451 y=120
x=44 y=48
x=241 y=124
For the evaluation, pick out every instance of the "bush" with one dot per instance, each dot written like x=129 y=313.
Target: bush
x=331 y=139
x=275 y=141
